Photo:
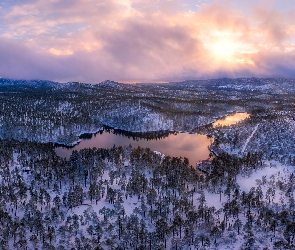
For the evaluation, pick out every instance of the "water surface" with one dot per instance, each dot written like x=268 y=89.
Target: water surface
x=231 y=119
x=192 y=146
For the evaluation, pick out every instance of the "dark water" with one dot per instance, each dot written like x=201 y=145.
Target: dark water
x=192 y=146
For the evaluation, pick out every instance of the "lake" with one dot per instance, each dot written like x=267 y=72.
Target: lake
x=192 y=146
x=231 y=119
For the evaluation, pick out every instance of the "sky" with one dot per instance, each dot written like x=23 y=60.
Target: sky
x=146 y=40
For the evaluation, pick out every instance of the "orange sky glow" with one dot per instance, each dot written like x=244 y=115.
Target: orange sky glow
x=140 y=40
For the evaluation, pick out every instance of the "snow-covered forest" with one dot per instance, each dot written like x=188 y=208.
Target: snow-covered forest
x=133 y=198
x=242 y=197
x=55 y=112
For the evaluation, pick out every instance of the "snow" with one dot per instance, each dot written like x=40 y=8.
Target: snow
x=249 y=138
x=268 y=176
x=272 y=168
x=213 y=200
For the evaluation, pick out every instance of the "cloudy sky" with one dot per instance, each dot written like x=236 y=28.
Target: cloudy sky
x=146 y=40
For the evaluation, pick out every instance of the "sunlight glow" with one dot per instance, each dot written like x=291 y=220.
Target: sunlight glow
x=229 y=47
x=224 y=48
x=231 y=119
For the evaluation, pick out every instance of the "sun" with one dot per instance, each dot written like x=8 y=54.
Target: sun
x=229 y=48
x=223 y=48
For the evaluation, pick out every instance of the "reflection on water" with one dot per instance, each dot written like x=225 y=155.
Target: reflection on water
x=192 y=146
x=231 y=119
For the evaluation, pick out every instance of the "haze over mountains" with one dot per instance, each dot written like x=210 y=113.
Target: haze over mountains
x=273 y=85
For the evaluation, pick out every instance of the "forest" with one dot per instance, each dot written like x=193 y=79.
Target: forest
x=134 y=198
x=60 y=112
x=241 y=197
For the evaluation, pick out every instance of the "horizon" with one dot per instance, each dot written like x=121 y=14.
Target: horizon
x=149 y=82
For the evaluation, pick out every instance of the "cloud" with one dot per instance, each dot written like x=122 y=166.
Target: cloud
x=93 y=40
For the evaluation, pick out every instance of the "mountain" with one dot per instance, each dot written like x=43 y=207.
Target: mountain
x=111 y=85
x=266 y=85
x=29 y=83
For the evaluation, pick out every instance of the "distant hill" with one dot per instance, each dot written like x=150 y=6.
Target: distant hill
x=269 y=85
x=111 y=84
x=29 y=83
